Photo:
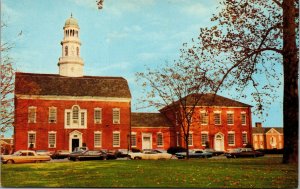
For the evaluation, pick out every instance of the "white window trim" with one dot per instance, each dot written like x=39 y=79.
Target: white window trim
x=230 y=112
x=162 y=139
x=52 y=132
x=192 y=144
x=133 y=134
x=218 y=112
x=78 y=125
x=206 y=133
x=116 y=132
x=100 y=121
x=31 y=132
x=244 y=132
x=116 y=121
x=244 y=113
x=98 y=132
x=35 y=110
x=204 y=112
x=49 y=112
x=231 y=132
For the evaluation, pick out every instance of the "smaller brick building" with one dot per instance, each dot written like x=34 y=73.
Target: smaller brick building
x=267 y=137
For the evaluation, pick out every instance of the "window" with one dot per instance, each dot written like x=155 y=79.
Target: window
x=75 y=115
x=66 y=50
x=204 y=118
x=244 y=138
x=230 y=118
x=68 y=118
x=204 y=139
x=190 y=139
x=82 y=118
x=217 y=118
x=52 y=115
x=98 y=115
x=116 y=139
x=77 y=51
x=116 y=116
x=52 y=140
x=75 y=118
x=231 y=139
x=97 y=139
x=31 y=139
x=32 y=114
x=133 y=139
x=243 y=118
x=160 y=141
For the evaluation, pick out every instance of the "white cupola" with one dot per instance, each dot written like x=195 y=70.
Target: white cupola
x=70 y=64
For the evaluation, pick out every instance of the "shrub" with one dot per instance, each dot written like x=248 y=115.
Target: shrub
x=174 y=150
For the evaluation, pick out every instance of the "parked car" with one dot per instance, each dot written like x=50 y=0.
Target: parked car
x=43 y=152
x=88 y=155
x=78 y=149
x=243 y=152
x=214 y=152
x=149 y=154
x=194 y=154
x=60 y=154
x=121 y=153
x=24 y=156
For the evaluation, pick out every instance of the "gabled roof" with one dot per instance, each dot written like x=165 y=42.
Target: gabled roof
x=149 y=120
x=54 y=84
x=263 y=130
x=209 y=99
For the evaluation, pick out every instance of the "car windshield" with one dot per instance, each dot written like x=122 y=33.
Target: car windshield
x=17 y=153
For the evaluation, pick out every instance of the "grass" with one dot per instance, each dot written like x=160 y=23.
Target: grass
x=265 y=172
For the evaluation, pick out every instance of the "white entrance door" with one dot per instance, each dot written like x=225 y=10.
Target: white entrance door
x=147 y=141
x=219 y=142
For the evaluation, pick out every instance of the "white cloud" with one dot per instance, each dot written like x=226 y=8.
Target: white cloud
x=118 y=7
x=196 y=9
x=123 y=33
x=8 y=13
x=86 y=3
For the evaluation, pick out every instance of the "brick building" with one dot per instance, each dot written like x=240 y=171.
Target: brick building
x=68 y=110
x=267 y=137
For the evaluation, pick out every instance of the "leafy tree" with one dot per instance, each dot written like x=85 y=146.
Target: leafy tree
x=176 y=91
x=248 y=44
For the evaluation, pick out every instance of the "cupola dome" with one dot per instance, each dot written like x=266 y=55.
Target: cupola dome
x=71 y=22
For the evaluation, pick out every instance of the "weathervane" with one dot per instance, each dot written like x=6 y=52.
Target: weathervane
x=100 y=4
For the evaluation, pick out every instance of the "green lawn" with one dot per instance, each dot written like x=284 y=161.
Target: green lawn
x=265 y=172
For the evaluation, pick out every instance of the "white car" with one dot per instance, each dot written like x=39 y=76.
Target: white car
x=149 y=154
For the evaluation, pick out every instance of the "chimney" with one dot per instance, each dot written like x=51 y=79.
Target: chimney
x=258 y=125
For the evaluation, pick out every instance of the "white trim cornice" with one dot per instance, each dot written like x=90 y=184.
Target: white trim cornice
x=79 y=98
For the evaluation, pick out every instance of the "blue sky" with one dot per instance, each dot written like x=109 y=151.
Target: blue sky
x=118 y=40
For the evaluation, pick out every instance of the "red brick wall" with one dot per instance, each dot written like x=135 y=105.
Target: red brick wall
x=168 y=136
x=213 y=129
x=42 y=126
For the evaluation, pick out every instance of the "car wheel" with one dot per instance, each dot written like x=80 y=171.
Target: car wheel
x=234 y=156
x=137 y=158
x=76 y=159
x=10 y=161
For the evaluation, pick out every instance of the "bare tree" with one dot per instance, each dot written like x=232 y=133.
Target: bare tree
x=176 y=92
x=250 y=40
x=6 y=86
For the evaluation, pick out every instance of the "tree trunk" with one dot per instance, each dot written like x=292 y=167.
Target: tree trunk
x=187 y=147
x=290 y=70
